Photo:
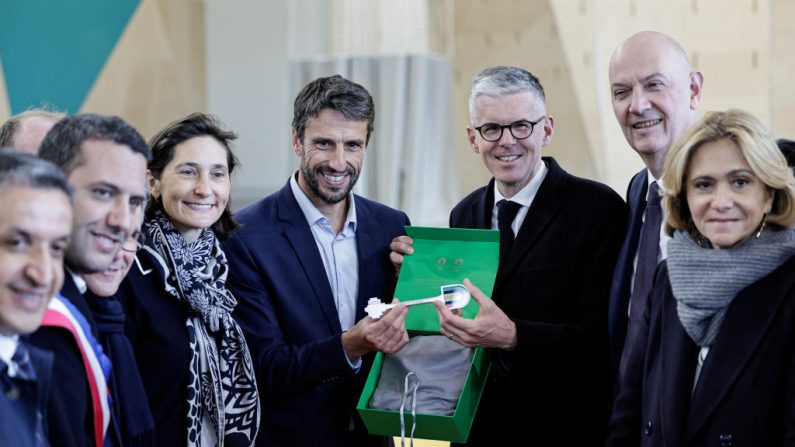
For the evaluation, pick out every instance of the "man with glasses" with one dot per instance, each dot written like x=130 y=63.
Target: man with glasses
x=131 y=406
x=559 y=236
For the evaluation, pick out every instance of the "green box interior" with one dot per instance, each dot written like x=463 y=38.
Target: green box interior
x=445 y=256
x=429 y=426
x=441 y=256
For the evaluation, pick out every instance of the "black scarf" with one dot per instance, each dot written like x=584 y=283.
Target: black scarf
x=223 y=391
x=131 y=406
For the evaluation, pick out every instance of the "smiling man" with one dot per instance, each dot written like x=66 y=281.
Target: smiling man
x=655 y=93
x=304 y=264
x=34 y=231
x=104 y=160
x=559 y=235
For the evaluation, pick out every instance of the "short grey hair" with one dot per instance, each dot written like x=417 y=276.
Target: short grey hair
x=22 y=169
x=500 y=81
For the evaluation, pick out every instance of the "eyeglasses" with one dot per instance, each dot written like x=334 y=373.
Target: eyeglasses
x=519 y=129
x=134 y=242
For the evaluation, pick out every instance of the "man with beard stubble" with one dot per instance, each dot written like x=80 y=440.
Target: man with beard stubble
x=302 y=267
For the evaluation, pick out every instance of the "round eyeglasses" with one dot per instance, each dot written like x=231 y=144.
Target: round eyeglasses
x=519 y=129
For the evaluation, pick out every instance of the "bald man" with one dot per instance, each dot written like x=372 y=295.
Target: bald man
x=25 y=131
x=655 y=93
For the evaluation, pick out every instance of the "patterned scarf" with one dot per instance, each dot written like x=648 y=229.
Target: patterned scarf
x=705 y=281
x=223 y=390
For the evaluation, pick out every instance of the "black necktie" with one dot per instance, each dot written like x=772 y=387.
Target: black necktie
x=648 y=252
x=506 y=213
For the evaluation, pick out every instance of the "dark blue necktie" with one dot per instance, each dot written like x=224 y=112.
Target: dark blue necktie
x=24 y=367
x=648 y=252
x=506 y=213
x=24 y=372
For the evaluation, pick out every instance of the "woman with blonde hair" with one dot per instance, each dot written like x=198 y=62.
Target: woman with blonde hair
x=714 y=362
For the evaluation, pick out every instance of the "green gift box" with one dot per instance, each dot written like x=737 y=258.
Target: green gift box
x=441 y=256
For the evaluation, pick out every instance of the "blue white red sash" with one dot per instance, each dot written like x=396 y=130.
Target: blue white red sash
x=61 y=313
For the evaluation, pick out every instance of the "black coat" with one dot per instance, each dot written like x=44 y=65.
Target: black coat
x=745 y=394
x=553 y=388
x=155 y=325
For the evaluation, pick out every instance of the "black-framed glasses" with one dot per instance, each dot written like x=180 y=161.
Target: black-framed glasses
x=133 y=243
x=519 y=129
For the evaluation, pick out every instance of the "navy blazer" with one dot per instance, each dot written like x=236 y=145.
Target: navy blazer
x=23 y=403
x=287 y=312
x=621 y=289
x=553 y=387
x=745 y=394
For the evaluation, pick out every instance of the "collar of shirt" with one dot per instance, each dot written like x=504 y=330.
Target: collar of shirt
x=8 y=345
x=524 y=197
x=313 y=215
x=650 y=179
x=80 y=283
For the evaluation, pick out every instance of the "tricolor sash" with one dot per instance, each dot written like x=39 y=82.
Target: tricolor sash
x=61 y=313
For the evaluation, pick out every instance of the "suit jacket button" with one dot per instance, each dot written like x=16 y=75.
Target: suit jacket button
x=726 y=440
x=647 y=429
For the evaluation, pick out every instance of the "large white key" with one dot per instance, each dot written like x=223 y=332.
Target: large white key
x=454 y=296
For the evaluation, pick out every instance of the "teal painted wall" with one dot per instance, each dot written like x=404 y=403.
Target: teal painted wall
x=52 y=51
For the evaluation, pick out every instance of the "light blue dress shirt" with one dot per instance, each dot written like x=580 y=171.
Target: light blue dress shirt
x=339 y=254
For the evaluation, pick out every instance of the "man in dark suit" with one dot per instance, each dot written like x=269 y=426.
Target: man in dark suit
x=655 y=94
x=104 y=160
x=302 y=268
x=559 y=237
x=34 y=228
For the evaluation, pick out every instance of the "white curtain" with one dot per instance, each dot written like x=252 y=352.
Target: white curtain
x=399 y=51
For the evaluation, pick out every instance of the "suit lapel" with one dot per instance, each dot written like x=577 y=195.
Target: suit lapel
x=678 y=365
x=481 y=209
x=298 y=233
x=365 y=244
x=622 y=276
x=542 y=211
x=636 y=199
x=749 y=316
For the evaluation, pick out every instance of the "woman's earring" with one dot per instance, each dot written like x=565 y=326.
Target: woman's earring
x=762 y=226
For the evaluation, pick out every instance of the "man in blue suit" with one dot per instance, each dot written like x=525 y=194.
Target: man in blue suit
x=302 y=267
x=34 y=228
x=655 y=93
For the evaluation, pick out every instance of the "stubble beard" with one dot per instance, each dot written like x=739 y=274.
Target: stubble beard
x=329 y=197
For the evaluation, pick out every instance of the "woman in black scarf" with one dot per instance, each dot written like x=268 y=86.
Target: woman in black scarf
x=714 y=362
x=194 y=362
